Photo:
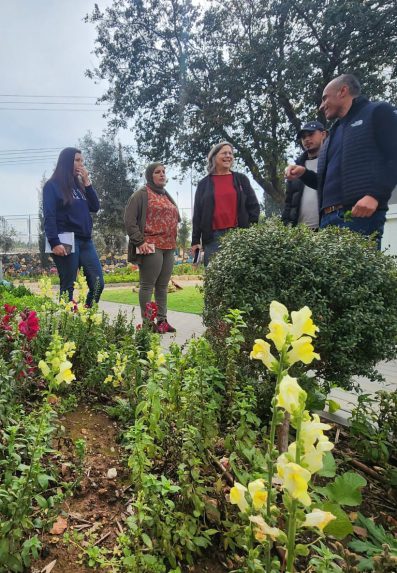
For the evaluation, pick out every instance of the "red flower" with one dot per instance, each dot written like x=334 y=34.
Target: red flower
x=151 y=311
x=30 y=325
x=5 y=322
x=10 y=309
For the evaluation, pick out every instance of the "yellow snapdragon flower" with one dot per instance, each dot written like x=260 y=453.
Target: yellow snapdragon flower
x=282 y=461
x=264 y=531
x=302 y=350
x=82 y=287
x=57 y=368
x=152 y=358
x=160 y=359
x=258 y=493
x=291 y=396
x=69 y=348
x=102 y=356
x=261 y=351
x=318 y=518
x=278 y=312
x=295 y=481
x=45 y=287
x=96 y=318
x=312 y=430
x=65 y=373
x=45 y=369
x=279 y=331
x=302 y=323
x=313 y=460
x=237 y=496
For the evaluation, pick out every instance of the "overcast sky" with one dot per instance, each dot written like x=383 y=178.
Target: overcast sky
x=45 y=49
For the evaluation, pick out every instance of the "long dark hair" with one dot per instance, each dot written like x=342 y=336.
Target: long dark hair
x=64 y=175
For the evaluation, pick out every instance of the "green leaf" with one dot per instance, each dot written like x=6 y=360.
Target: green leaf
x=43 y=480
x=377 y=532
x=147 y=541
x=340 y=527
x=201 y=541
x=365 y=547
x=42 y=502
x=4 y=548
x=211 y=531
x=329 y=466
x=346 y=489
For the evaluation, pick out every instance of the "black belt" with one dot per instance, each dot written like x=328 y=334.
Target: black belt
x=332 y=209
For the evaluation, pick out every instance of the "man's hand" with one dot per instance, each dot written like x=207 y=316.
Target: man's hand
x=365 y=207
x=294 y=172
x=193 y=249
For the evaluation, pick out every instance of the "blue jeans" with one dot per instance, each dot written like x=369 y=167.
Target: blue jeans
x=212 y=247
x=364 y=225
x=85 y=257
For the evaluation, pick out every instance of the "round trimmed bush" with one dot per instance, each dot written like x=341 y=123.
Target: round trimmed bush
x=350 y=287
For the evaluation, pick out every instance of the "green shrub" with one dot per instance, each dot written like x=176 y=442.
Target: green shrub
x=349 y=285
x=188 y=269
x=122 y=275
x=16 y=291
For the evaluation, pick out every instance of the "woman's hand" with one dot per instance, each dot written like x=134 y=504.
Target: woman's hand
x=145 y=249
x=83 y=173
x=59 y=250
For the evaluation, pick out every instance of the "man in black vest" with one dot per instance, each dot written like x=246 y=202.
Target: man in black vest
x=301 y=201
x=357 y=167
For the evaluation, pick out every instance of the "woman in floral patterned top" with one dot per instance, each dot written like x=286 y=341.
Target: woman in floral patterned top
x=151 y=219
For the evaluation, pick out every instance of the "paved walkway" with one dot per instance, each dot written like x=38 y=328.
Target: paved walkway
x=189 y=325
x=348 y=400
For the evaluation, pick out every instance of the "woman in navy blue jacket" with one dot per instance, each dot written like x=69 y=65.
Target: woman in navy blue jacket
x=68 y=198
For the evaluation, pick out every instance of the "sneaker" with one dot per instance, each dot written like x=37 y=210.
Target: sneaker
x=164 y=326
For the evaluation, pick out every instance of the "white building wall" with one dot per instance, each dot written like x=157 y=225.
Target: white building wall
x=389 y=241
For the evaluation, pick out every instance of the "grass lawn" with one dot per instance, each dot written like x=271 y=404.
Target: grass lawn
x=190 y=299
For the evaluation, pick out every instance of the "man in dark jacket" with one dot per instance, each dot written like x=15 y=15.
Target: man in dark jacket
x=357 y=166
x=301 y=201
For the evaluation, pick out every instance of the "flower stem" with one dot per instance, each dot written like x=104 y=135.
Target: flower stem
x=291 y=538
x=272 y=453
x=291 y=534
x=273 y=425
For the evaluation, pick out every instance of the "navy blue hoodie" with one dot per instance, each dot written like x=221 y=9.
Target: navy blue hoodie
x=72 y=217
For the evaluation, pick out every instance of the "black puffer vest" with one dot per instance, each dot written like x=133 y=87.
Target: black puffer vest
x=364 y=170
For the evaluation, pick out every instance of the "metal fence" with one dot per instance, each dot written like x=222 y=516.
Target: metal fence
x=23 y=231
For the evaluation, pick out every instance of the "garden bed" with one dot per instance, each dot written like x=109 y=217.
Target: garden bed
x=119 y=457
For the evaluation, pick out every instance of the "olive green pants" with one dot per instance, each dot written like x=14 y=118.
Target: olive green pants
x=154 y=273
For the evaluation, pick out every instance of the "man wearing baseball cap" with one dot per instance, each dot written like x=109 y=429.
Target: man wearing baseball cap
x=301 y=201
x=357 y=167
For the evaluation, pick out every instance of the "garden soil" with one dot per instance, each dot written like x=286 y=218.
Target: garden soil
x=100 y=504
